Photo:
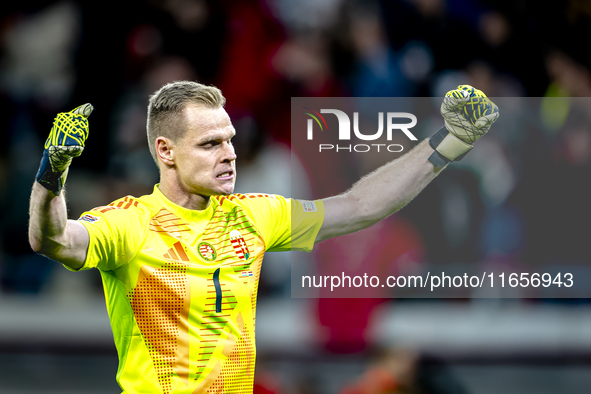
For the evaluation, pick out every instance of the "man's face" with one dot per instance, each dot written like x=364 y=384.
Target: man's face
x=204 y=158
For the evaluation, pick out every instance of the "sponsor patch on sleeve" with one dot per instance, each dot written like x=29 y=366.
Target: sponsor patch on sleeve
x=309 y=206
x=89 y=218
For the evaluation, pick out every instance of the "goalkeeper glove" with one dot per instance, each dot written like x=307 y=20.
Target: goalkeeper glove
x=65 y=141
x=468 y=114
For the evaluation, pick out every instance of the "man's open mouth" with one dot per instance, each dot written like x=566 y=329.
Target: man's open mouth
x=226 y=175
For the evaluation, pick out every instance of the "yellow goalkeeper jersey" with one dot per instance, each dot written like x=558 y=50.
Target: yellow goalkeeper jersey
x=181 y=285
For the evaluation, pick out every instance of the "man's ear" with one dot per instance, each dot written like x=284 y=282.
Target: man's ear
x=165 y=150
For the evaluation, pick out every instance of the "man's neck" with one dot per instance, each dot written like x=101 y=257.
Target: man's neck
x=184 y=198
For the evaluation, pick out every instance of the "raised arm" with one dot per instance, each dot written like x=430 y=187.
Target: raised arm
x=467 y=113
x=50 y=231
x=378 y=194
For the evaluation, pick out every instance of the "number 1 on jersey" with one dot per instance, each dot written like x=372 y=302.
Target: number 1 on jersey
x=218 y=291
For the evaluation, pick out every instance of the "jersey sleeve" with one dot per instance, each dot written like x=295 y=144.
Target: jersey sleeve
x=116 y=233
x=306 y=220
x=284 y=223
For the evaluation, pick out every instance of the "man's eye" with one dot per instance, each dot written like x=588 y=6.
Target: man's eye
x=209 y=144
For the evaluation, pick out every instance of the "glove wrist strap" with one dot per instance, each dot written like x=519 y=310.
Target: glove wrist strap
x=52 y=181
x=447 y=148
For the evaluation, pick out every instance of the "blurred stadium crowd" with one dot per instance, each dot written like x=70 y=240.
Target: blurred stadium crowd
x=526 y=198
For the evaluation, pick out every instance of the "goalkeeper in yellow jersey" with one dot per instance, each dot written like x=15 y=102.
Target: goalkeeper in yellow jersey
x=180 y=267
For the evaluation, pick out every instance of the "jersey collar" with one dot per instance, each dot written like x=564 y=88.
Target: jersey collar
x=190 y=214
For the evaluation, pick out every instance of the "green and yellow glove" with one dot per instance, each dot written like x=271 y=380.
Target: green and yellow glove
x=468 y=115
x=66 y=141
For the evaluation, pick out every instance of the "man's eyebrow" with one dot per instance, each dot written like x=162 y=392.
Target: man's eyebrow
x=211 y=138
x=215 y=137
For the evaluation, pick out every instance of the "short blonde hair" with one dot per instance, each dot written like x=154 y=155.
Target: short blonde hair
x=165 y=109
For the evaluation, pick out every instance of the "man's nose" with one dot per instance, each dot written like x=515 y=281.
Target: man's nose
x=229 y=152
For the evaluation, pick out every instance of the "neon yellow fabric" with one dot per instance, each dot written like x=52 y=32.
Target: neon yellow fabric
x=70 y=128
x=166 y=270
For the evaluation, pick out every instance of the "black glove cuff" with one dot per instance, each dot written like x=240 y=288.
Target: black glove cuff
x=50 y=180
x=436 y=158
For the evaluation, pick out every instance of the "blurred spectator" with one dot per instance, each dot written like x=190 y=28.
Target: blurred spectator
x=568 y=77
x=399 y=371
x=345 y=323
x=391 y=371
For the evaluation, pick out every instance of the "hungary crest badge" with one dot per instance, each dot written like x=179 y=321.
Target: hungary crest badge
x=206 y=251
x=239 y=245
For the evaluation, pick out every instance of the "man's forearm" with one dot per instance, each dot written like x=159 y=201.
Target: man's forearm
x=395 y=183
x=50 y=231
x=48 y=219
x=379 y=193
